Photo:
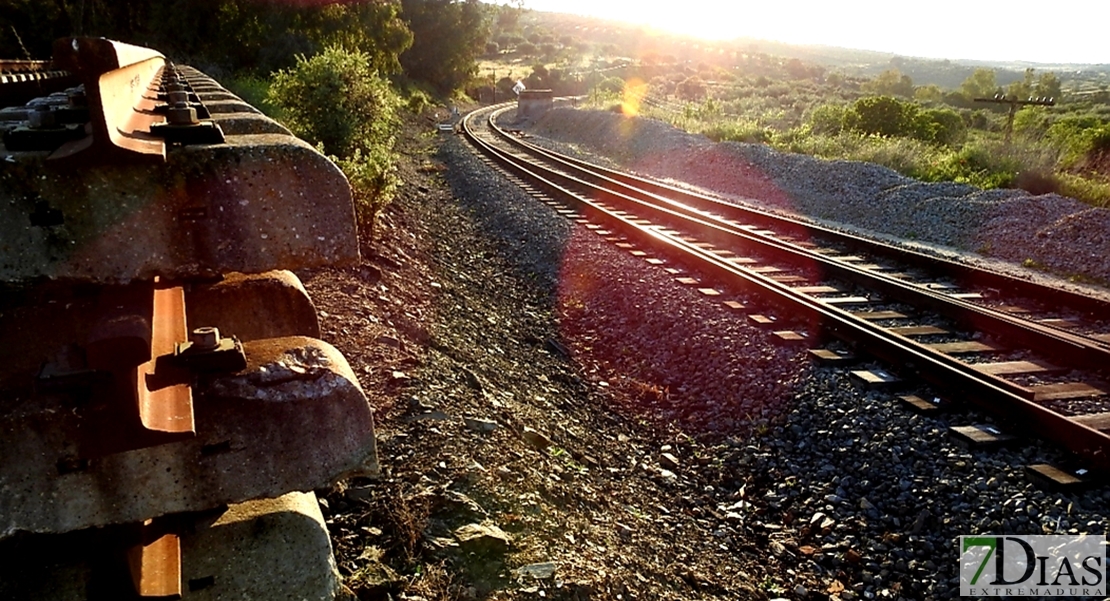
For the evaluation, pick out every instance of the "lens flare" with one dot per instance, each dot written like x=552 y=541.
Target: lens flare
x=634 y=92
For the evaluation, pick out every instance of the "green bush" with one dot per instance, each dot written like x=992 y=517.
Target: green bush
x=1090 y=191
x=253 y=90
x=940 y=126
x=373 y=178
x=338 y=102
x=334 y=98
x=738 y=131
x=610 y=85
x=828 y=119
x=416 y=100
x=882 y=116
x=904 y=155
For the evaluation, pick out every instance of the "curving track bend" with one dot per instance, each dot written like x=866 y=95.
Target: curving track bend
x=1030 y=354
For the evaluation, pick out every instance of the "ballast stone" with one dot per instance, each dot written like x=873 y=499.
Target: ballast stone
x=295 y=419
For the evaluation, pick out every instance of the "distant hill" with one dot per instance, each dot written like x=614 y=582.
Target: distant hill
x=637 y=41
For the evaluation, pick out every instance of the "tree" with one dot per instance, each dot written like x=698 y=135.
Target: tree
x=448 y=37
x=508 y=15
x=692 y=88
x=980 y=84
x=1048 y=86
x=890 y=83
x=539 y=79
x=1024 y=88
x=235 y=34
x=928 y=93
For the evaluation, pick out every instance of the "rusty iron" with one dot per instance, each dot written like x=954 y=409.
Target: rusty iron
x=118 y=80
x=155 y=563
x=164 y=396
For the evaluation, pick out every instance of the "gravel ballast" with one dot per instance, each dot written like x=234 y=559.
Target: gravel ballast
x=635 y=436
x=1055 y=233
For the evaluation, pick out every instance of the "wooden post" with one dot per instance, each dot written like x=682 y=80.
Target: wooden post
x=1014 y=104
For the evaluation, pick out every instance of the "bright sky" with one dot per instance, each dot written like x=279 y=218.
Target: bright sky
x=1047 y=32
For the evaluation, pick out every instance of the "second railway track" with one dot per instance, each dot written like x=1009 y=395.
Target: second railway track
x=1031 y=354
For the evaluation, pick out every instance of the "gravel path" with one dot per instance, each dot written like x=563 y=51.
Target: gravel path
x=1055 y=233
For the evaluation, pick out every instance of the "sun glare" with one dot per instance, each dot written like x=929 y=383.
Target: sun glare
x=634 y=92
x=1068 y=32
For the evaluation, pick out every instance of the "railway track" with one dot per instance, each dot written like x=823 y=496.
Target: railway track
x=1032 y=355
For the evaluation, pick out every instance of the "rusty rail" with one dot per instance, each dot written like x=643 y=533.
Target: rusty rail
x=122 y=83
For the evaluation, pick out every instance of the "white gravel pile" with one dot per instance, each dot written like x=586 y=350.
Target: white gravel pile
x=1056 y=233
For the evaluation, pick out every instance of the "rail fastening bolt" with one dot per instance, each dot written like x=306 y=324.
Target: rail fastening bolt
x=41 y=117
x=182 y=114
x=206 y=338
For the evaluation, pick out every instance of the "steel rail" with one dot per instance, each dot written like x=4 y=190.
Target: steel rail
x=119 y=80
x=22 y=66
x=972 y=275
x=1080 y=351
x=931 y=366
x=22 y=80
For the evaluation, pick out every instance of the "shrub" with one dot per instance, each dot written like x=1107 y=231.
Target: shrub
x=738 y=131
x=373 y=178
x=417 y=100
x=882 y=116
x=1090 y=191
x=334 y=98
x=940 y=126
x=338 y=102
x=827 y=119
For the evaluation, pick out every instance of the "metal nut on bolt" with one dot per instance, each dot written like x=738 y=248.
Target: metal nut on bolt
x=41 y=117
x=182 y=114
x=206 y=338
x=76 y=97
x=178 y=96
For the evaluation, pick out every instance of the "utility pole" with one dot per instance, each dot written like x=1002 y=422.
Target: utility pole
x=1014 y=104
